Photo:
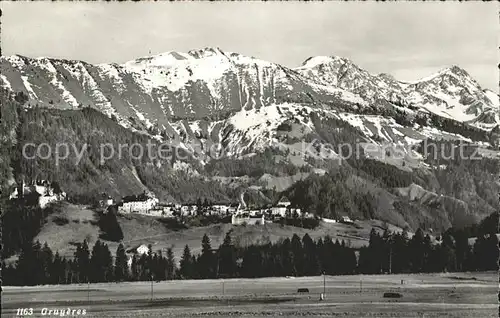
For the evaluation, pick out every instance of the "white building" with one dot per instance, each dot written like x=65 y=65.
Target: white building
x=329 y=220
x=138 y=204
x=189 y=210
x=284 y=202
x=143 y=249
x=106 y=202
x=220 y=208
x=239 y=219
x=233 y=208
x=44 y=200
x=139 y=251
x=168 y=211
x=278 y=211
x=254 y=212
x=155 y=212
x=346 y=219
x=282 y=207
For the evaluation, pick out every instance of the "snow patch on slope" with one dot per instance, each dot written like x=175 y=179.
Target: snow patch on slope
x=243 y=120
x=46 y=65
x=28 y=87
x=5 y=82
x=66 y=95
x=316 y=61
x=142 y=117
x=90 y=84
x=16 y=61
x=165 y=70
x=493 y=97
x=112 y=72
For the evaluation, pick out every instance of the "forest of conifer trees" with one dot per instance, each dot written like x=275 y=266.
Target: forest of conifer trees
x=386 y=253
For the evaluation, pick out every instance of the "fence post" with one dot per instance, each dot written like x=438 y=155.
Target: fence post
x=151 y=287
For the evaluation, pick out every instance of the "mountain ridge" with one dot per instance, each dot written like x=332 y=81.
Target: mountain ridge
x=208 y=81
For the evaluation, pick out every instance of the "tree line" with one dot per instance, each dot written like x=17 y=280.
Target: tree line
x=295 y=256
x=396 y=253
x=21 y=222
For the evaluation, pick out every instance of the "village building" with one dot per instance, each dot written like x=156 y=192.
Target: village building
x=284 y=202
x=247 y=219
x=143 y=249
x=306 y=215
x=329 y=220
x=220 y=208
x=346 y=219
x=282 y=208
x=254 y=212
x=233 y=207
x=139 y=250
x=168 y=210
x=45 y=200
x=138 y=204
x=155 y=211
x=189 y=210
x=106 y=201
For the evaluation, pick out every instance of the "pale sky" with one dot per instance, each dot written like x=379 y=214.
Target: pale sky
x=406 y=39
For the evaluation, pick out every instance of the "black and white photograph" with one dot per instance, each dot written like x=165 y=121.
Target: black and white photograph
x=250 y=159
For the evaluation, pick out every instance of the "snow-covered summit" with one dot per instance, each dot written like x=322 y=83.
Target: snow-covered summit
x=450 y=92
x=212 y=82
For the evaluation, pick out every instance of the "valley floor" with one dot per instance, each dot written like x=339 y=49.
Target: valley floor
x=424 y=295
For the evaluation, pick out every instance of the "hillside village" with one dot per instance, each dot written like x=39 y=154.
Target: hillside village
x=43 y=192
x=148 y=204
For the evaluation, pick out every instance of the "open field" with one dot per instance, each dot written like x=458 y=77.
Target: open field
x=424 y=295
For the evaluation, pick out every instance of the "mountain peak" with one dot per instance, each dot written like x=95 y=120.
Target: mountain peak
x=159 y=60
x=453 y=70
x=456 y=69
x=206 y=52
x=387 y=76
x=314 y=61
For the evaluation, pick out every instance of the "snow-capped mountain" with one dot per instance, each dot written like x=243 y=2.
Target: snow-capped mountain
x=450 y=93
x=211 y=96
x=173 y=85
